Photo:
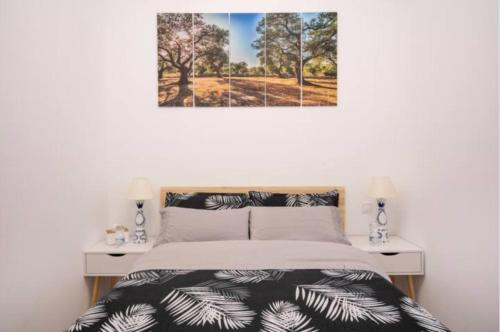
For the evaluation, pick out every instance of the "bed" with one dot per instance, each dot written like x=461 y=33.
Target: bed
x=256 y=285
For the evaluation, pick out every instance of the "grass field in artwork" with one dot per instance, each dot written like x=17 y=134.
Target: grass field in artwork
x=282 y=92
x=212 y=91
x=247 y=59
x=170 y=93
x=319 y=92
x=248 y=91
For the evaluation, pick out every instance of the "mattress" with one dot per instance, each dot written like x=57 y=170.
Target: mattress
x=268 y=286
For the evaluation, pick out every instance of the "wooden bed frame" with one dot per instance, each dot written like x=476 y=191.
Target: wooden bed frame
x=288 y=190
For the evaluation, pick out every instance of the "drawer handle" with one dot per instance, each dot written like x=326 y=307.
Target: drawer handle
x=116 y=255
x=390 y=253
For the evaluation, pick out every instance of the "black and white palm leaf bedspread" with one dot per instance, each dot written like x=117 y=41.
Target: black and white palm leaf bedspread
x=256 y=300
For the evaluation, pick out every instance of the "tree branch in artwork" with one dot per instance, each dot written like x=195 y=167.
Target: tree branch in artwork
x=211 y=46
x=178 y=34
x=281 y=38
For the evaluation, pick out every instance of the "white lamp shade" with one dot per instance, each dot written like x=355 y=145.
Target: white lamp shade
x=381 y=187
x=140 y=189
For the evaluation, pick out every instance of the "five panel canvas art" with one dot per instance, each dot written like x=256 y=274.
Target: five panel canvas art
x=247 y=59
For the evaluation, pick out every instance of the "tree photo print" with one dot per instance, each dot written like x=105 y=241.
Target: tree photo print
x=247 y=59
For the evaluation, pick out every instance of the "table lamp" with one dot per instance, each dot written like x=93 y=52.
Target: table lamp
x=140 y=190
x=381 y=188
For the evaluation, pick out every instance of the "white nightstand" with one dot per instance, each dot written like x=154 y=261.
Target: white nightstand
x=398 y=257
x=101 y=260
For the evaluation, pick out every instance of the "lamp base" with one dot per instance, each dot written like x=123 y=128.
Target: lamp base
x=378 y=227
x=140 y=221
x=140 y=235
x=378 y=236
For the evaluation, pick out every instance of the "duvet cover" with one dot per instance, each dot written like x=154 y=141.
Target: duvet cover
x=267 y=286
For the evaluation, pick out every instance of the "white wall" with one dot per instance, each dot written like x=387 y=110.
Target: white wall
x=417 y=101
x=418 y=91
x=52 y=186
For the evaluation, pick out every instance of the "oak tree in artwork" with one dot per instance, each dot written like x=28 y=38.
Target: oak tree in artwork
x=280 y=42
x=211 y=53
x=303 y=47
x=319 y=59
x=181 y=37
x=210 y=45
x=175 y=44
x=320 y=41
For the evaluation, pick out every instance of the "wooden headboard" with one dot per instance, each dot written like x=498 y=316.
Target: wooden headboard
x=288 y=190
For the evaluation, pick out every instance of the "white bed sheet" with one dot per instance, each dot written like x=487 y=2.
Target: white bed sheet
x=256 y=255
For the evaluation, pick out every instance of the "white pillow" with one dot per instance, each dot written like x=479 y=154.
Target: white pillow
x=187 y=225
x=319 y=223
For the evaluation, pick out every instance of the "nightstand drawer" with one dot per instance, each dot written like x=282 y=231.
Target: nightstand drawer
x=401 y=263
x=109 y=264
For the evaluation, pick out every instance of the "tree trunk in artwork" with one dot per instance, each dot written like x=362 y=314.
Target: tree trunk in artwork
x=298 y=74
x=184 y=78
x=218 y=72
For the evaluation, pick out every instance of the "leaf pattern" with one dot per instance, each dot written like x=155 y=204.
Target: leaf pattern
x=173 y=199
x=225 y=202
x=337 y=302
x=213 y=302
x=297 y=200
x=423 y=318
x=270 y=300
x=324 y=198
x=353 y=275
x=112 y=296
x=346 y=286
x=282 y=316
x=89 y=318
x=258 y=197
x=136 y=318
x=249 y=276
x=149 y=277
x=305 y=200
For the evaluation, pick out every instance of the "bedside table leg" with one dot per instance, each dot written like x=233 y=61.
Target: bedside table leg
x=112 y=282
x=95 y=291
x=411 y=288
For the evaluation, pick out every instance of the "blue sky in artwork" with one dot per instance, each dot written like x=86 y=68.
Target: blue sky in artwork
x=243 y=33
x=219 y=19
x=309 y=16
x=306 y=18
